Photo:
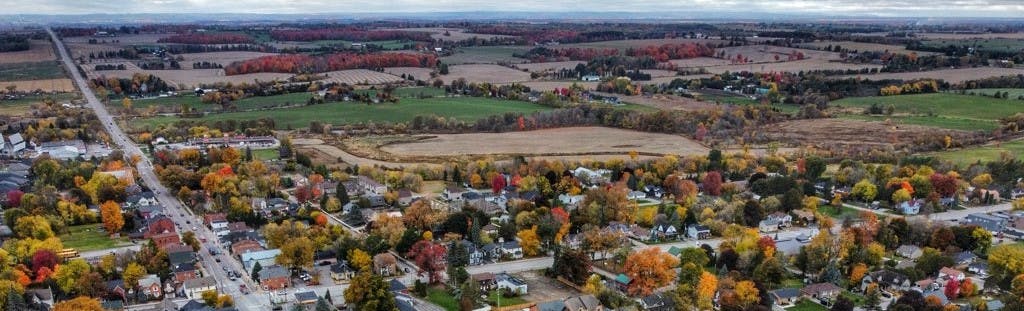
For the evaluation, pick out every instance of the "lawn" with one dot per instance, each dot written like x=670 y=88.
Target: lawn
x=840 y=214
x=986 y=153
x=265 y=154
x=461 y=108
x=31 y=71
x=807 y=305
x=89 y=238
x=410 y=92
x=22 y=106
x=442 y=298
x=492 y=299
x=945 y=110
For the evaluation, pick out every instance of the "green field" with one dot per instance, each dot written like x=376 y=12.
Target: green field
x=461 y=108
x=943 y=110
x=994 y=45
x=986 y=153
x=196 y=104
x=265 y=154
x=23 y=106
x=839 y=214
x=807 y=305
x=31 y=71
x=89 y=238
x=492 y=298
x=1013 y=93
x=442 y=298
x=485 y=55
x=406 y=92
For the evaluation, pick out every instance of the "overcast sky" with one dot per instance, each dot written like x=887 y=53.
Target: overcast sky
x=913 y=8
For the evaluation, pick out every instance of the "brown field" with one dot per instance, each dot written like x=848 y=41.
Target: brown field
x=416 y=72
x=454 y=34
x=950 y=75
x=625 y=44
x=130 y=69
x=1014 y=35
x=361 y=77
x=539 y=67
x=486 y=73
x=862 y=46
x=699 y=62
x=223 y=58
x=658 y=73
x=40 y=50
x=194 y=77
x=82 y=50
x=49 y=85
x=326 y=153
x=556 y=142
x=844 y=132
x=767 y=53
x=794 y=66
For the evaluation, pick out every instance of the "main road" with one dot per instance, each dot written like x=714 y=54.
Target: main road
x=175 y=210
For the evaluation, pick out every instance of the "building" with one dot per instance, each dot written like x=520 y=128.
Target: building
x=306 y=298
x=452 y=193
x=216 y=221
x=510 y=283
x=909 y=251
x=486 y=280
x=657 y=302
x=165 y=239
x=145 y=198
x=821 y=291
x=511 y=250
x=964 y=258
x=194 y=288
x=698 y=232
x=785 y=296
x=590 y=78
x=784 y=220
x=369 y=186
x=150 y=286
x=912 y=207
x=887 y=280
x=13 y=144
x=265 y=258
x=991 y=223
x=185 y=272
x=768 y=225
x=947 y=273
x=62 y=150
x=583 y=303
x=340 y=271
x=245 y=246
x=274 y=277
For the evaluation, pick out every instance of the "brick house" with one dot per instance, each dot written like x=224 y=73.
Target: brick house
x=274 y=278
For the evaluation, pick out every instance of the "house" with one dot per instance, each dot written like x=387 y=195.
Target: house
x=510 y=283
x=592 y=177
x=783 y=219
x=145 y=198
x=238 y=226
x=116 y=288
x=979 y=268
x=570 y=201
x=489 y=229
x=511 y=249
x=13 y=144
x=245 y=246
x=583 y=303
x=385 y=264
x=622 y=282
x=185 y=272
x=306 y=298
x=158 y=225
x=369 y=186
x=636 y=195
x=41 y=296
x=150 y=211
x=991 y=223
x=274 y=277
x=181 y=257
x=964 y=258
x=994 y=305
x=805 y=217
x=486 y=280
x=265 y=258
x=405 y=197
x=452 y=193
x=340 y=271
x=657 y=302
x=785 y=296
x=821 y=291
x=150 y=285
x=887 y=280
x=947 y=273
x=476 y=256
x=654 y=191
x=194 y=288
x=698 y=232
x=909 y=251
x=943 y=300
x=590 y=78
x=925 y=285
x=62 y=150
x=768 y=225
x=164 y=239
x=665 y=231
x=216 y=221
x=911 y=207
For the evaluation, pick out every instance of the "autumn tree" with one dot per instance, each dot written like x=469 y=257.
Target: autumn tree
x=864 y=190
x=391 y=228
x=421 y=216
x=573 y=265
x=297 y=253
x=79 y=304
x=605 y=204
x=530 y=241
x=649 y=269
x=112 y=217
x=132 y=274
x=429 y=258
x=713 y=183
x=360 y=259
x=68 y=274
x=706 y=289
x=857 y=272
x=746 y=293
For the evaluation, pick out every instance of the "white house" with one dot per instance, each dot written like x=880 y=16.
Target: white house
x=266 y=258
x=368 y=185
x=512 y=284
x=194 y=288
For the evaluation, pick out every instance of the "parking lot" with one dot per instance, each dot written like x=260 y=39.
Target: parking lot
x=543 y=289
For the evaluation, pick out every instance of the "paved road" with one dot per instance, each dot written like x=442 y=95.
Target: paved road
x=174 y=208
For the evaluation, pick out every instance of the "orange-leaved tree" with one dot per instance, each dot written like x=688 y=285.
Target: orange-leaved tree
x=650 y=269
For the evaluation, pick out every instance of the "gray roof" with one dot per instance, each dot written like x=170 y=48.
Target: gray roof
x=200 y=282
x=305 y=296
x=585 y=302
x=784 y=293
x=273 y=272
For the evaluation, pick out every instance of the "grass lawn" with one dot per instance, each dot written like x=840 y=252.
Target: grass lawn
x=461 y=108
x=984 y=153
x=1012 y=93
x=856 y=298
x=807 y=305
x=791 y=282
x=31 y=71
x=265 y=154
x=442 y=298
x=90 y=238
x=492 y=298
x=840 y=214
x=945 y=110
x=23 y=106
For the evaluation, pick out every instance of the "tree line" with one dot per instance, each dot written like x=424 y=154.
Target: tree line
x=324 y=63
x=202 y=38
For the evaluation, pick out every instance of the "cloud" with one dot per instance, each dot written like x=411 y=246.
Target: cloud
x=936 y=8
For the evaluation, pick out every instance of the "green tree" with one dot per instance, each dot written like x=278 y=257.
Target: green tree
x=341 y=193
x=864 y=190
x=256 y=268
x=189 y=238
x=68 y=274
x=132 y=274
x=369 y=292
x=468 y=293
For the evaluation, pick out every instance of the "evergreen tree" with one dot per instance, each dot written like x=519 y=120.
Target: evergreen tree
x=256 y=268
x=341 y=193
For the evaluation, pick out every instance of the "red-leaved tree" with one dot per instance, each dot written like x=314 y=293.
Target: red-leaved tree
x=713 y=183
x=952 y=288
x=14 y=198
x=430 y=258
x=497 y=183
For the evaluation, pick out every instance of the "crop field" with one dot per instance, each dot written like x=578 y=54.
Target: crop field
x=196 y=104
x=121 y=39
x=950 y=75
x=360 y=77
x=22 y=106
x=129 y=69
x=40 y=70
x=984 y=153
x=47 y=85
x=768 y=53
x=959 y=36
x=551 y=85
x=848 y=133
x=223 y=58
x=1012 y=93
x=560 y=141
x=40 y=50
x=943 y=110
x=485 y=55
x=486 y=73
x=539 y=67
x=993 y=44
x=416 y=72
x=454 y=34
x=793 y=66
x=699 y=62
x=625 y=44
x=410 y=92
x=460 y=108
x=659 y=73
x=194 y=77
x=861 y=46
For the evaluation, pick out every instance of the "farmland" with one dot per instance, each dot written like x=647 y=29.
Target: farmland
x=47 y=85
x=601 y=140
x=195 y=103
x=943 y=110
x=539 y=67
x=766 y=53
x=994 y=44
x=960 y=36
x=360 y=77
x=416 y=72
x=41 y=70
x=22 y=106
x=699 y=62
x=985 y=153
x=860 y=46
x=463 y=108
x=40 y=50
x=850 y=134
x=625 y=44
x=194 y=77
x=485 y=55
x=486 y=73
x=949 y=75
x=222 y=58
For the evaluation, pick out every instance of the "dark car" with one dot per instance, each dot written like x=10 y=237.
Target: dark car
x=325 y=263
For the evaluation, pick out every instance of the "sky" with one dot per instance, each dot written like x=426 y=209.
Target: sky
x=882 y=8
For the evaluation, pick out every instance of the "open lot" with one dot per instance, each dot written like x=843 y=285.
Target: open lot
x=699 y=62
x=560 y=141
x=454 y=34
x=461 y=108
x=40 y=70
x=793 y=66
x=989 y=44
x=551 y=85
x=936 y=35
x=943 y=110
x=416 y=72
x=22 y=106
x=950 y=75
x=121 y=39
x=485 y=55
x=768 y=53
x=861 y=46
x=194 y=77
x=485 y=73
x=625 y=44
x=666 y=102
x=40 y=50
